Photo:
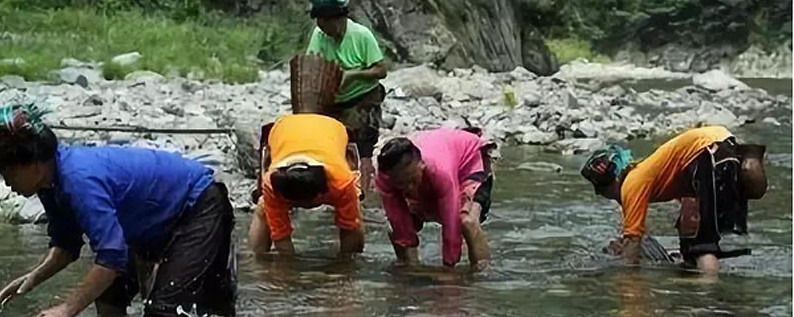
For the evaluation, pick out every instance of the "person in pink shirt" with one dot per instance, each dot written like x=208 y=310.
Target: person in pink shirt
x=442 y=176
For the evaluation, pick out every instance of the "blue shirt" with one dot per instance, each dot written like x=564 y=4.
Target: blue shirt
x=119 y=198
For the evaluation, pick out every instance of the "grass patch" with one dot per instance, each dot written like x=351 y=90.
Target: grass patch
x=223 y=47
x=569 y=49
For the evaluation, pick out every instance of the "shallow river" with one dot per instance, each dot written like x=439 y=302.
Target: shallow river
x=545 y=230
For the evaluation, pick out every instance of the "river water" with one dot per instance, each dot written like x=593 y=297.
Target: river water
x=545 y=230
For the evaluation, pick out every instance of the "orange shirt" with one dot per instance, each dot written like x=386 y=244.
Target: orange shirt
x=654 y=179
x=324 y=140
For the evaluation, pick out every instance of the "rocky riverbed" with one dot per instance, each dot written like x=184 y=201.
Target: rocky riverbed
x=572 y=112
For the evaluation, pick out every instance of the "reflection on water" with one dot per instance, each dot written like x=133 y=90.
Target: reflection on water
x=545 y=230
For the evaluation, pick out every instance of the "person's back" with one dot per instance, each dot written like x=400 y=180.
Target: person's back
x=307 y=168
x=455 y=152
x=166 y=183
x=313 y=137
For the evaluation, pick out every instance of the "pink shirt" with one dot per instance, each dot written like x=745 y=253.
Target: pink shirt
x=451 y=156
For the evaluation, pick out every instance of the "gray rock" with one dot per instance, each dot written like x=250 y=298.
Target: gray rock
x=540 y=167
x=772 y=121
x=32 y=211
x=71 y=62
x=174 y=109
x=522 y=74
x=419 y=81
x=82 y=77
x=388 y=121
x=13 y=81
x=86 y=111
x=717 y=80
x=144 y=75
x=570 y=100
x=489 y=34
x=94 y=100
x=575 y=146
x=127 y=59
x=585 y=129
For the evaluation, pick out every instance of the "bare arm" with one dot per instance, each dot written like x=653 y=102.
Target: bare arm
x=98 y=279
x=55 y=261
x=377 y=71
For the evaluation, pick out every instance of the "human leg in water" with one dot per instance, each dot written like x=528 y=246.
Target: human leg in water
x=709 y=264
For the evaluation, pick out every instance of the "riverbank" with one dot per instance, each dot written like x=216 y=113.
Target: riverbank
x=559 y=114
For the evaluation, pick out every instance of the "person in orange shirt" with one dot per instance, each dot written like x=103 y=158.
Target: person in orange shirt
x=305 y=165
x=701 y=168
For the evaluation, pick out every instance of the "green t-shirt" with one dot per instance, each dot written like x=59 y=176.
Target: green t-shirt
x=358 y=50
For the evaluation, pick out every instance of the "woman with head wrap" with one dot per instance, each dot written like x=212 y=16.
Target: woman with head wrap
x=146 y=213
x=702 y=168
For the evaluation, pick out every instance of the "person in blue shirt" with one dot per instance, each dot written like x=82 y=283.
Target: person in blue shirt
x=157 y=222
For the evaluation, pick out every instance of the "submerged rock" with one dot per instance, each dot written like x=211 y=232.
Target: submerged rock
x=540 y=167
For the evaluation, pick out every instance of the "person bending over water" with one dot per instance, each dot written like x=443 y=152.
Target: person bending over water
x=704 y=168
x=305 y=165
x=442 y=176
x=146 y=213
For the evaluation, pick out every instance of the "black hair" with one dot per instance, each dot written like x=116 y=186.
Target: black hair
x=396 y=154
x=26 y=148
x=329 y=11
x=299 y=182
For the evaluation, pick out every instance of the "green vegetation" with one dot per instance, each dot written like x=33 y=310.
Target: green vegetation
x=586 y=28
x=182 y=39
x=569 y=49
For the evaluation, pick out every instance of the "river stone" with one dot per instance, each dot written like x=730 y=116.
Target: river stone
x=13 y=81
x=575 y=146
x=772 y=121
x=540 y=167
x=717 y=80
x=79 y=76
x=144 y=75
x=127 y=59
x=71 y=62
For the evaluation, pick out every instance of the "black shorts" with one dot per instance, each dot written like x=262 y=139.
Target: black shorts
x=721 y=204
x=362 y=117
x=197 y=267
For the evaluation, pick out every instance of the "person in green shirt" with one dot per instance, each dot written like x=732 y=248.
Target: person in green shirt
x=358 y=102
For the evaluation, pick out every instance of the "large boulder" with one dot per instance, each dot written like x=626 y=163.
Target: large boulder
x=717 y=80
x=457 y=33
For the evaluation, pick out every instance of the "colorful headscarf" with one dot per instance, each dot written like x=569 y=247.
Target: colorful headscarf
x=606 y=165
x=25 y=119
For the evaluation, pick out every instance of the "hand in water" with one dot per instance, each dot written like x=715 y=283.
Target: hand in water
x=57 y=311
x=19 y=286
